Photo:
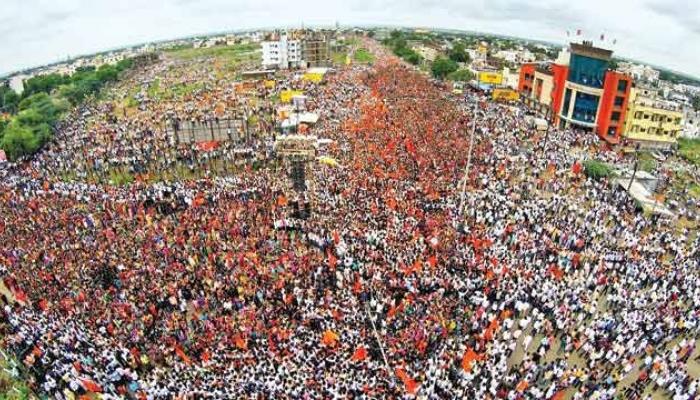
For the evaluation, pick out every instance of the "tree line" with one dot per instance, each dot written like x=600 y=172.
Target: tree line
x=442 y=67
x=44 y=99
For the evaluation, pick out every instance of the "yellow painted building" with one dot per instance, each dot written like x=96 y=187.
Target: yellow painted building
x=651 y=121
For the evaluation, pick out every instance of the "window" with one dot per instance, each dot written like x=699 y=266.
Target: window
x=622 y=86
x=646 y=116
x=615 y=116
x=619 y=101
x=587 y=71
x=567 y=101
x=586 y=107
x=638 y=115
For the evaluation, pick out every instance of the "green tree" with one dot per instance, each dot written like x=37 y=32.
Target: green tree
x=443 y=67
x=462 y=75
x=124 y=64
x=43 y=105
x=18 y=140
x=44 y=84
x=596 y=169
x=696 y=103
x=459 y=53
x=8 y=100
x=107 y=73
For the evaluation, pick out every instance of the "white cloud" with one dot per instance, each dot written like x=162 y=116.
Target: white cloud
x=34 y=32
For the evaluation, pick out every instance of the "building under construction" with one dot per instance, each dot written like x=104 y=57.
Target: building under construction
x=316 y=49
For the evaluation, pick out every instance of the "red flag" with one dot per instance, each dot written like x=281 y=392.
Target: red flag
x=360 y=354
x=576 y=168
x=410 y=147
x=207 y=146
x=432 y=261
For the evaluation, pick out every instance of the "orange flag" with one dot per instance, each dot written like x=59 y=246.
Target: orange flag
x=360 y=354
x=411 y=384
x=90 y=385
x=181 y=354
x=240 y=342
x=469 y=357
x=559 y=395
x=330 y=338
x=556 y=272
x=522 y=386
x=332 y=261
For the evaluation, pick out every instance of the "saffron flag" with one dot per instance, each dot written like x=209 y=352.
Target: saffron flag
x=182 y=355
x=360 y=354
x=207 y=146
x=90 y=385
x=522 y=386
x=410 y=383
x=469 y=357
x=330 y=338
x=241 y=343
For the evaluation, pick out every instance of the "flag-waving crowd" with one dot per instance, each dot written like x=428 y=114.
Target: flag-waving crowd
x=547 y=284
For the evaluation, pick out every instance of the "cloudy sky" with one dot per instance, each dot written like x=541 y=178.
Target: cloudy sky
x=35 y=32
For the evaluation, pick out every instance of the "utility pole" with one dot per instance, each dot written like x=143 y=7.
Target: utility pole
x=636 y=165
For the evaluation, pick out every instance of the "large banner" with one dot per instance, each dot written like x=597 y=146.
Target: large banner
x=505 y=95
x=491 y=78
x=286 y=95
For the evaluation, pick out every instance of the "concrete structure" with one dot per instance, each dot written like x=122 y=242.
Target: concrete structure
x=579 y=91
x=691 y=123
x=640 y=72
x=510 y=78
x=16 y=83
x=652 y=122
x=316 y=48
x=282 y=53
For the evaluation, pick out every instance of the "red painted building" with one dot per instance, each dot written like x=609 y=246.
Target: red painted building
x=578 y=91
x=613 y=105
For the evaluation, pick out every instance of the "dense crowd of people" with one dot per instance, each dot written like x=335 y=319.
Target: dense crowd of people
x=534 y=282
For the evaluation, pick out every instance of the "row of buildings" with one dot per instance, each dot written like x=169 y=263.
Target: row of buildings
x=580 y=90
